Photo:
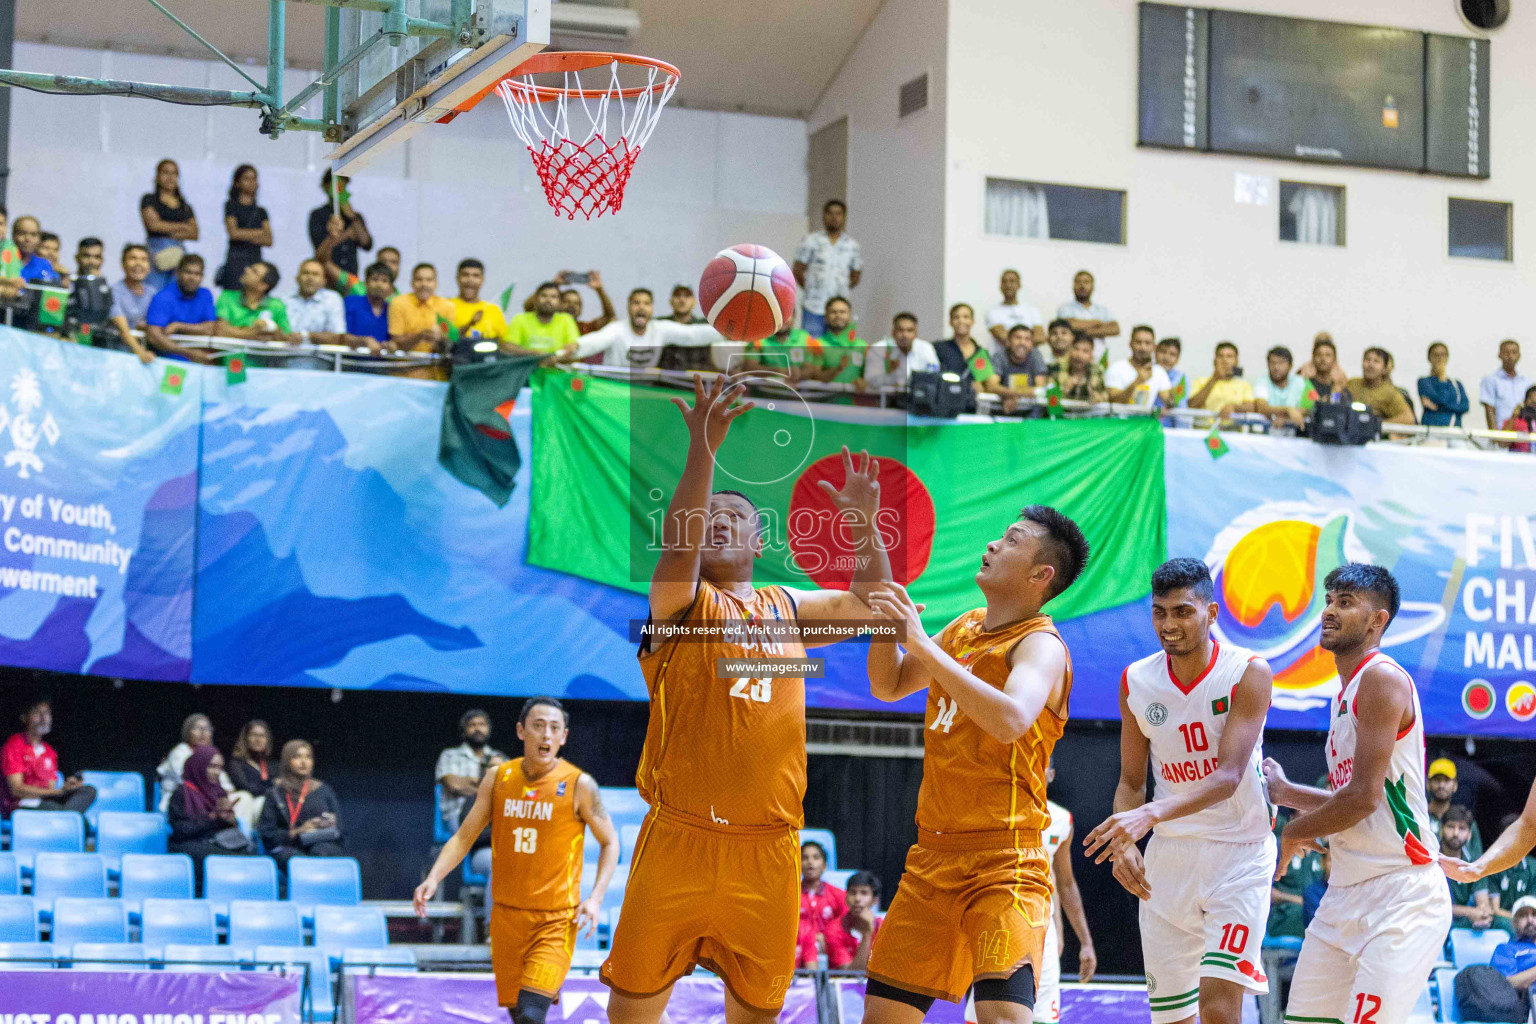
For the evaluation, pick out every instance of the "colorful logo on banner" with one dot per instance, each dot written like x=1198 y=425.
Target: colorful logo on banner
x=1269 y=565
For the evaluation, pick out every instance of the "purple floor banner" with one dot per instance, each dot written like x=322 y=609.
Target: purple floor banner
x=1080 y=1004
x=144 y=997
x=471 y=999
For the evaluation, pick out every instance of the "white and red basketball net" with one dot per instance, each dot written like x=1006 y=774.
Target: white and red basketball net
x=581 y=170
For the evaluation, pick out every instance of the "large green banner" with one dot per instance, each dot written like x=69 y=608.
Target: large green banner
x=609 y=455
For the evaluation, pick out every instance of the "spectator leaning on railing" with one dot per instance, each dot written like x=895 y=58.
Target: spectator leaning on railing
x=638 y=342
x=368 y=311
x=1138 y=371
x=472 y=315
x=1323 y=371
x=891 y=361
x=90 y=300
x=30 y=768
x=48 y=248
x=545 y=330
x=10 y=258
x=962 y=355
x=1079 y=376
x=1167 y=355
x=1284 y=396
x=419 y=320
x=1444 y=399
x=1374 y=388
x=841 y=349
x=1022 y=365
x=183 y=307
x=1523 y=420
x=1223 y=392
x=130 y=304
x=34 y=266
x=253 y=311
x=315 y=313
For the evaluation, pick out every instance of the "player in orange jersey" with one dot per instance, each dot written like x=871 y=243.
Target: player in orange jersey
x=539 y=808
x=975 y=899
x=715 y=878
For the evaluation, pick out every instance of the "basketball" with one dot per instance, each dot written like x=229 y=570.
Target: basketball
x=747 y=292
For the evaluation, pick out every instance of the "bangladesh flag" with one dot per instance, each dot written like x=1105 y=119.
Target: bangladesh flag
x=1215 y=443
x=476 y=443
x=608 y=457
x=1176 y=395
x=1220 y=706
x=51 y=303
x=171 y=383
x=234 y=368
x=506 y=297
x=449 y=328
x=1053 y=400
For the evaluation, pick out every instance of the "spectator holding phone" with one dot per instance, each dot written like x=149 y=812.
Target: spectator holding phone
x=201 y=814
x=31 y=768
x=301 y=817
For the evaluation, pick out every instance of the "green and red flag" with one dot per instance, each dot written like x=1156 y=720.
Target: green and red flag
x=1215 y=443
x=51 y=304
x=449 y=328
x=85 y=335
x=1177 y=393
x=476 y=443
x=607 y=459
x=1220 y=706
x=175 y=377
x=234 y=368
x=1053 y=400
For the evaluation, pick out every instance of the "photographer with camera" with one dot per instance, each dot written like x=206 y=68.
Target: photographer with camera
x=1523 y=419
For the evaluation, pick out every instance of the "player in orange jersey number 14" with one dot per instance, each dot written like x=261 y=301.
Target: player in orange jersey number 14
x=538 y=807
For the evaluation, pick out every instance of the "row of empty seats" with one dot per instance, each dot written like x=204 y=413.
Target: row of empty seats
x=72 y=919
x=311 y=880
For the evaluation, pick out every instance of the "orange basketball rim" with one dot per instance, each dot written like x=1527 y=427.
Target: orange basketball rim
x=584 y=137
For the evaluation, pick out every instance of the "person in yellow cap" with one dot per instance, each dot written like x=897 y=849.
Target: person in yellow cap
x=1442 y=786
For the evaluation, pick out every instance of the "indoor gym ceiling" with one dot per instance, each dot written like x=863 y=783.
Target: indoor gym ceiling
x=768 y=58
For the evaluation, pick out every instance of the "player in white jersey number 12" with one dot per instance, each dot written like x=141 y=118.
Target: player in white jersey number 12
x=1197 y=708
x=1384 y=919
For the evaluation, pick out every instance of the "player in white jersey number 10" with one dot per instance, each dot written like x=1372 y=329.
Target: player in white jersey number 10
x=1382 y=923
x=1197 y=708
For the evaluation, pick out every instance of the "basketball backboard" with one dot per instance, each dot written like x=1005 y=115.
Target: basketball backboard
x=392 y=92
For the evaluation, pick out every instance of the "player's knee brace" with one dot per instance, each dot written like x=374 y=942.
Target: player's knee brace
x=1018 y=987
x=531 y=1008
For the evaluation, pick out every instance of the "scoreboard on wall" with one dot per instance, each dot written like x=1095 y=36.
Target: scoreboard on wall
x=1235 y=82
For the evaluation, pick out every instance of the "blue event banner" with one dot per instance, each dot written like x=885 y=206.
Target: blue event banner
x=98 y=476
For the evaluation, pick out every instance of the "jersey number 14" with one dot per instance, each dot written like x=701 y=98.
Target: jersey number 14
x=946 y=716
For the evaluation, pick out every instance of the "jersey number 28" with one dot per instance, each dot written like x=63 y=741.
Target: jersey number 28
x=760 y=690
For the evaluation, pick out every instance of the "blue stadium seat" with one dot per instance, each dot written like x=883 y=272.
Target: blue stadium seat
x=88 y=920
x=614 y=897
x=184 y=922
x=1469 y=946
x=441 y=833
x=372 y=960
x=23 y=956
x=1423 y=1011
x=113 y=956
x=115 y=791
x=68 y=874
x=205 y=959
x=120 y=832
x=339 y=928
x=264 y=923
x=472 y=878
x=624 y=805
x=166 y=876
x=18 y=919
x=238 y=878
x=1445 y=986
x=10 y=875
x=315 y=963
x=628 y=835
x=825 y=838
x=33 y=832
x=333 y=881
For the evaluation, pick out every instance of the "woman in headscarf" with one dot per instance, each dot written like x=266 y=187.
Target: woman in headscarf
x=301 y=816
x=200 y=811
x=196 y=731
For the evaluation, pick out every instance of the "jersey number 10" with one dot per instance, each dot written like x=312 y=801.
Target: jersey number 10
x=1194 y=737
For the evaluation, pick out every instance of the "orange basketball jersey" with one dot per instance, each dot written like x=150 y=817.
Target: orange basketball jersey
x=536 y=838
x=725 y=751
x=972 y=782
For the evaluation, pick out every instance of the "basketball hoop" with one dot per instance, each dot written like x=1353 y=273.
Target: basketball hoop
x=582 y=166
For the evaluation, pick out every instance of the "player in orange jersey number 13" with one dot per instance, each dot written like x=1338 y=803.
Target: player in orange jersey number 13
x=538 y=807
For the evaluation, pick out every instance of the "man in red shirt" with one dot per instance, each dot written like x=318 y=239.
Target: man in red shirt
x=30 y=768
x=822 y=909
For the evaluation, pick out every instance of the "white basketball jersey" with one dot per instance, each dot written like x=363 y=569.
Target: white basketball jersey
x=1056 y=833
x=1183 y=724
x=1398 y=833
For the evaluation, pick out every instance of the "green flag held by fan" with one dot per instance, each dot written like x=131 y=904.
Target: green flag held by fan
x=1215 y=443
x=51 y=304
x=234 y=368
x=476 y=443
x=171 y=383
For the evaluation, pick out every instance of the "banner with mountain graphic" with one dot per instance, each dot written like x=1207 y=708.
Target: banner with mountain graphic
x=1455 y=527
x=98 y=476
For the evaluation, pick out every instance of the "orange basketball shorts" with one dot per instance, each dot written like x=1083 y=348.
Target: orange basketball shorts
x=530 y=949
x=726 y=898
x=967 y=908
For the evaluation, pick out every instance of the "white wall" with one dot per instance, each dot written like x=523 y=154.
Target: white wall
x=1047 y=91
x=895 y=168
x=705 y=181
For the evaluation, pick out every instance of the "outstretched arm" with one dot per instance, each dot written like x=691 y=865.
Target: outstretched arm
x=1245 y=721
x=1507 y=851
x=457 y=848
x=676 y=577
x=589 y=806
x=857 y=504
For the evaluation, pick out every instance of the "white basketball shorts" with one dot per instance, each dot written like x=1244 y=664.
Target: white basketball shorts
x=1368 y=952
x=1206 y=917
